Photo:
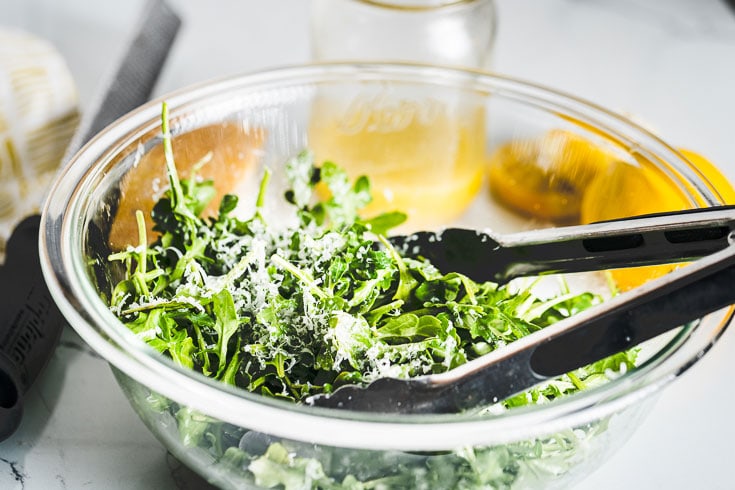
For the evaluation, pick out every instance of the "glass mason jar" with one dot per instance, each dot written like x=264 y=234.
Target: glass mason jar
x=457 y=33
x=418 y=144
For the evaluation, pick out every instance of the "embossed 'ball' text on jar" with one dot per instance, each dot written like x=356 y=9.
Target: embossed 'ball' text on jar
x=434 y=137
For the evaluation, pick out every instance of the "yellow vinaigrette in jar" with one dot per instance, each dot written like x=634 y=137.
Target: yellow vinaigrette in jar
x=424 y=155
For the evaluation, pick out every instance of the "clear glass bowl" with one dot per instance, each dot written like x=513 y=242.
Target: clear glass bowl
x=241 y=440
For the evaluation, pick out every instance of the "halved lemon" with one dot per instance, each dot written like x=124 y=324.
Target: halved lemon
x=546 y=177
x=713 y=176
x=565 y=178
x=625 y=189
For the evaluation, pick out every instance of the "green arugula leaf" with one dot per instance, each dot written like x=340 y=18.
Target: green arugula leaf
x=226 y=324
x=384 y=222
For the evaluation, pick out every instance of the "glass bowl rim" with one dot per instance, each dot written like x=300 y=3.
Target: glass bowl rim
x=65 y=273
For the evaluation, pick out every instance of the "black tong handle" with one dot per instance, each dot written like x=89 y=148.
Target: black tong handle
x=678 y=236
x=623 y=322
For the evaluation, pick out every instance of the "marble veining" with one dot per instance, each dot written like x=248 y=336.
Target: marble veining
x=15 y=472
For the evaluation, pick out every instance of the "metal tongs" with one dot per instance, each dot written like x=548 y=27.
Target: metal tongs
x=625 y=321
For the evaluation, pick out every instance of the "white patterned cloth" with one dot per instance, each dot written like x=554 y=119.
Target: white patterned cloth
x=38 y=116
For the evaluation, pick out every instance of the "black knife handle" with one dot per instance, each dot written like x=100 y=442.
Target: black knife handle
x=30 y=322
x=11 y=401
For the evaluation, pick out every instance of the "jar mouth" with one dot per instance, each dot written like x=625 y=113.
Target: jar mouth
x=415 y=5
x=65 y=268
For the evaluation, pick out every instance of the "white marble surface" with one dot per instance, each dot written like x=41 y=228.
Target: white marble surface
x=670 y=63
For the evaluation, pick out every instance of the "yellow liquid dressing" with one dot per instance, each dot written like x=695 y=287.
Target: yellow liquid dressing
x=424 y=156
